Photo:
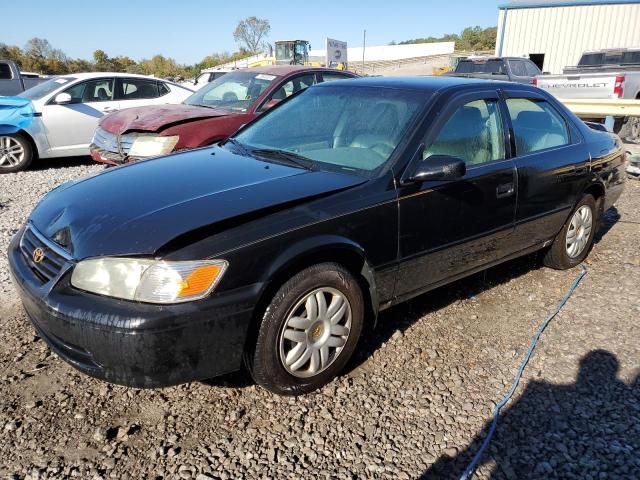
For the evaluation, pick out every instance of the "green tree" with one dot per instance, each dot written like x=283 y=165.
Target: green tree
x=251 y=33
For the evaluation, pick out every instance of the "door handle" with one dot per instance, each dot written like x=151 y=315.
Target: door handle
x=505 y=190
x=109 y=109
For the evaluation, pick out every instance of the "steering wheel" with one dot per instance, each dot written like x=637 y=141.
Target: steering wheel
x=229 y=97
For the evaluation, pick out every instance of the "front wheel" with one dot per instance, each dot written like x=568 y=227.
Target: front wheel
x=15 y=153
x=309 y=330
x=573 y=243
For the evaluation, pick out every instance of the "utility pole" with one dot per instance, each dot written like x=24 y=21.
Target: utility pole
x=364 y=45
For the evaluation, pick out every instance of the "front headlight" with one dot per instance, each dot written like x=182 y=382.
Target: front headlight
x=152 y=145
x=150 y=281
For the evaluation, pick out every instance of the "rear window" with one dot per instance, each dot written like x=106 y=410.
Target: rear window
x=486 y=66
x=609 y=58
x=5 y=71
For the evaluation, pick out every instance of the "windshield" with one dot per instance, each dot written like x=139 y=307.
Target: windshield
x=235 y=91
x=489 y=66
x=45 y=88
x=351 y=129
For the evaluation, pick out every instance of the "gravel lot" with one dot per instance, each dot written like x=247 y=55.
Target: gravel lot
x=415 y=402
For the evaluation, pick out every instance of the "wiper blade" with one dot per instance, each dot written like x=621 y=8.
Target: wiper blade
x=290 y=157
x=236 y=143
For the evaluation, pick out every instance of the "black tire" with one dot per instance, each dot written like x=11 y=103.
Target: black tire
x=27 y=156
x=557 y=256
x=264 y=362
x=630 y=129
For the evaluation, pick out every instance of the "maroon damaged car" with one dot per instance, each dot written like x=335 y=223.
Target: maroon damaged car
x=206 y=117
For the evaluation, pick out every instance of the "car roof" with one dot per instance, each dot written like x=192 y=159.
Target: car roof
x=282 y=70
x=90 y=75
x=425 y=83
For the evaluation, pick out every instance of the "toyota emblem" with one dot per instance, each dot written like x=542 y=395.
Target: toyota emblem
x=37 y=255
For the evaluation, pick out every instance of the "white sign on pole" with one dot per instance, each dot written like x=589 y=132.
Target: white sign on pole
x=336 y=52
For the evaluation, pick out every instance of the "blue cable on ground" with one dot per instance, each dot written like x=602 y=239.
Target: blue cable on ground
x=468 y=473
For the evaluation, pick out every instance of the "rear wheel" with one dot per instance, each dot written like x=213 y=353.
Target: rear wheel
x=573 y=243
x=309 y=330
x=15 y=153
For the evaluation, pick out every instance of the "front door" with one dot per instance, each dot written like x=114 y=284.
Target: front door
x=70 y=127
x=451 y=227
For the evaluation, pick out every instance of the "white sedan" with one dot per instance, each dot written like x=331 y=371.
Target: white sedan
x=57 y=118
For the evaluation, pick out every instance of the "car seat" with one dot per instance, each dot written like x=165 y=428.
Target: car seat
x=385 y=118
x=536 y=131
x=464 y=136
x=102 y=94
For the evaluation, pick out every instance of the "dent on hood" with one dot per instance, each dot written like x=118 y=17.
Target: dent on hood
x=155 y=118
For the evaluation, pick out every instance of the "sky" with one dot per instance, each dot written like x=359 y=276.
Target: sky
x=188 y=30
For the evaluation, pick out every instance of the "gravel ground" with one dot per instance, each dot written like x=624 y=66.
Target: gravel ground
x=415 y=401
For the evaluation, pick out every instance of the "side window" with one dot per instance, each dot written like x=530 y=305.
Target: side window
x=289 y=88
x=5 y=72
x=330 y=77
x=536 y=125
x=138 y=89
x=532 y=69
x=100 y=90
x=518 y=68
x=163 y=89
x=473 y=133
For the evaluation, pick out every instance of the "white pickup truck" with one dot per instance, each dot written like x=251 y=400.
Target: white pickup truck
x=601 y=74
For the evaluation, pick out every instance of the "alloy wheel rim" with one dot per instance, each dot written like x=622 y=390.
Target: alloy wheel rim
x=11 y=152
x=579 y=231
x=315 y=332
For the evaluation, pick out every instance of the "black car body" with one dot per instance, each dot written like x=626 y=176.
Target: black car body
x=397 y=234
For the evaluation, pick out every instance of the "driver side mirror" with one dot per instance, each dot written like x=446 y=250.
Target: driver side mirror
x=62 y=98
x=439 y=167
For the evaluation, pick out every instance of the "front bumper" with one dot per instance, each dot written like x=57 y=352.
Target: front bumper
x=135 y=344
x=103 y=156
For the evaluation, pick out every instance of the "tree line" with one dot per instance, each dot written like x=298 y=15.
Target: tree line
x=40 y=56
x=471 y=39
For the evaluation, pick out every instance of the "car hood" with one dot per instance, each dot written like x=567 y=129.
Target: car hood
x=156 y=117
x=136 y=209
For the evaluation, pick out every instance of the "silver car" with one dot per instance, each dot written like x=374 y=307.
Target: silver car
x=58 y=117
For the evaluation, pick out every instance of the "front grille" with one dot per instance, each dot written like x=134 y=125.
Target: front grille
x=45 y=258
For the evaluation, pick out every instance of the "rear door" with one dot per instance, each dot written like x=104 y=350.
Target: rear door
x=137 y=92
x=451 y=227
x=551 y=161
x=69 y=127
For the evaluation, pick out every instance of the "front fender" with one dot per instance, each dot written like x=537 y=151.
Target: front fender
x=323 y=248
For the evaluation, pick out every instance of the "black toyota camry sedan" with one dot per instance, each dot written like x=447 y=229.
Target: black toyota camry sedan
x=275 y=248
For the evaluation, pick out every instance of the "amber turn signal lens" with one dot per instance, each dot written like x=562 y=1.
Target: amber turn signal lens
x=199 y=280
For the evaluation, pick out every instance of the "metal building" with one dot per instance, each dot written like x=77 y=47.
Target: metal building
x=554 y=33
